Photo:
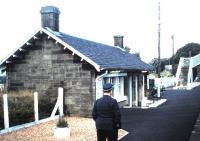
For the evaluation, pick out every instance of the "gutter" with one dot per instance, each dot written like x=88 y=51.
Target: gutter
x=101 y=76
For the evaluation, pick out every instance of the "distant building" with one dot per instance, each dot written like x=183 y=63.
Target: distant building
x=50 y=59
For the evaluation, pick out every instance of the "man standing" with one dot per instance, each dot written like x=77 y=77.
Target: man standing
x=107 y=115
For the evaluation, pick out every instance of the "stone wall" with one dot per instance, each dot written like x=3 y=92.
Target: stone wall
x=45 y=66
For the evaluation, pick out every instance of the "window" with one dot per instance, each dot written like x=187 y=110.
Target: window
x=118 y=85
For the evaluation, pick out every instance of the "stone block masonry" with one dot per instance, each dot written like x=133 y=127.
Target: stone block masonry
x=45 y=66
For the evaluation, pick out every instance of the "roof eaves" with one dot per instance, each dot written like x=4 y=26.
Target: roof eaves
x=96 y=66
x=18 y=48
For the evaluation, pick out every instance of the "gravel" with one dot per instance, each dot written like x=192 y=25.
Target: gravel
x=81 y=129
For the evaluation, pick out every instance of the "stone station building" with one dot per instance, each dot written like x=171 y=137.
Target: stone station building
x=50 y=59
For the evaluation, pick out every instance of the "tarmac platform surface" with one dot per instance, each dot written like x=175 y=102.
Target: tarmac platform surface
x=172 y=121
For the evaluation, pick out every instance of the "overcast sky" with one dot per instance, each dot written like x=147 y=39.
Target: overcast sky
x=99 y=20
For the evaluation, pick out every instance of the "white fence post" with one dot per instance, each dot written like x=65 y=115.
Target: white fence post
x=158 y=88
x=59 y=103
x=60 y=97
x=5 y=109
x=36 y=107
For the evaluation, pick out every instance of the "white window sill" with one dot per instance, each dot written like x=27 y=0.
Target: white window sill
x=120 y=98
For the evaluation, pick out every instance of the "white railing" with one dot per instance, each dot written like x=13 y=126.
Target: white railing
x=196 y=60
x=193 y=62
x=165 y=81
x=58 y=106
x=178 y=72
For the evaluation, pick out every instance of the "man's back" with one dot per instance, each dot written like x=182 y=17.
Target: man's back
x=106 y=113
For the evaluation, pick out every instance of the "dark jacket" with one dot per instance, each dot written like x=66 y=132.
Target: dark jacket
x=106 y=113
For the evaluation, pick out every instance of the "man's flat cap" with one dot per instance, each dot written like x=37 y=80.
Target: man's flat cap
x=107 y=87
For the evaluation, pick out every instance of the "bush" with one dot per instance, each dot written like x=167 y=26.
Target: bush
x=1 y=111
x=62 y=122
x=45 y=106
x=21 y=108
x=165 y=74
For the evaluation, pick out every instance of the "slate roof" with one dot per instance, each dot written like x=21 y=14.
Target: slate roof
x=107 y=57
x=101 y=56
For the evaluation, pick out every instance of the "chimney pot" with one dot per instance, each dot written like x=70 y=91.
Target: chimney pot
x=50 y=17
x=118 y=41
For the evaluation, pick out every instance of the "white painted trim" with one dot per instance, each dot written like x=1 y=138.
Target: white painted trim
x=158 y=87
x=143 y=89
x=157 y=103
x=15 y=56
x=116 y=75
x=148 y=82
x=99 y=92
x=120 y=98
x=19 y=48
x=42 y=30
x=35 y=37
x=130 y=91
x=96 y=66
x=28 y=44
x=136 y=91
x=7 y=62
x=121 y=82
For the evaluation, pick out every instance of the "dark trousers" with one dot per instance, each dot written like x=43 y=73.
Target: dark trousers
x=111 y=135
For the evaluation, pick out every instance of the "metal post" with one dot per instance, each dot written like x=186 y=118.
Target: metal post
x=36 y=107
x=5 y=109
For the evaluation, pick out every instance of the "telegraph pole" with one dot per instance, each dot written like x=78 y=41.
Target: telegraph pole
x=172 y=44
x=159 y=25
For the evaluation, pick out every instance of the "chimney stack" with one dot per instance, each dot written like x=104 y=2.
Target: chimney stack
x=50 y=17
x=118 y=41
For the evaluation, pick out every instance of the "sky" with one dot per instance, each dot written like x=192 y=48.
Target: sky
x=100 y=20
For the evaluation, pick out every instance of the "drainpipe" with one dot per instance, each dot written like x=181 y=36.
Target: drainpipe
x=101 y=75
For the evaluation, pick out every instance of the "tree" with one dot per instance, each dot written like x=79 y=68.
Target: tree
x=163 y=62
x=189 y=50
